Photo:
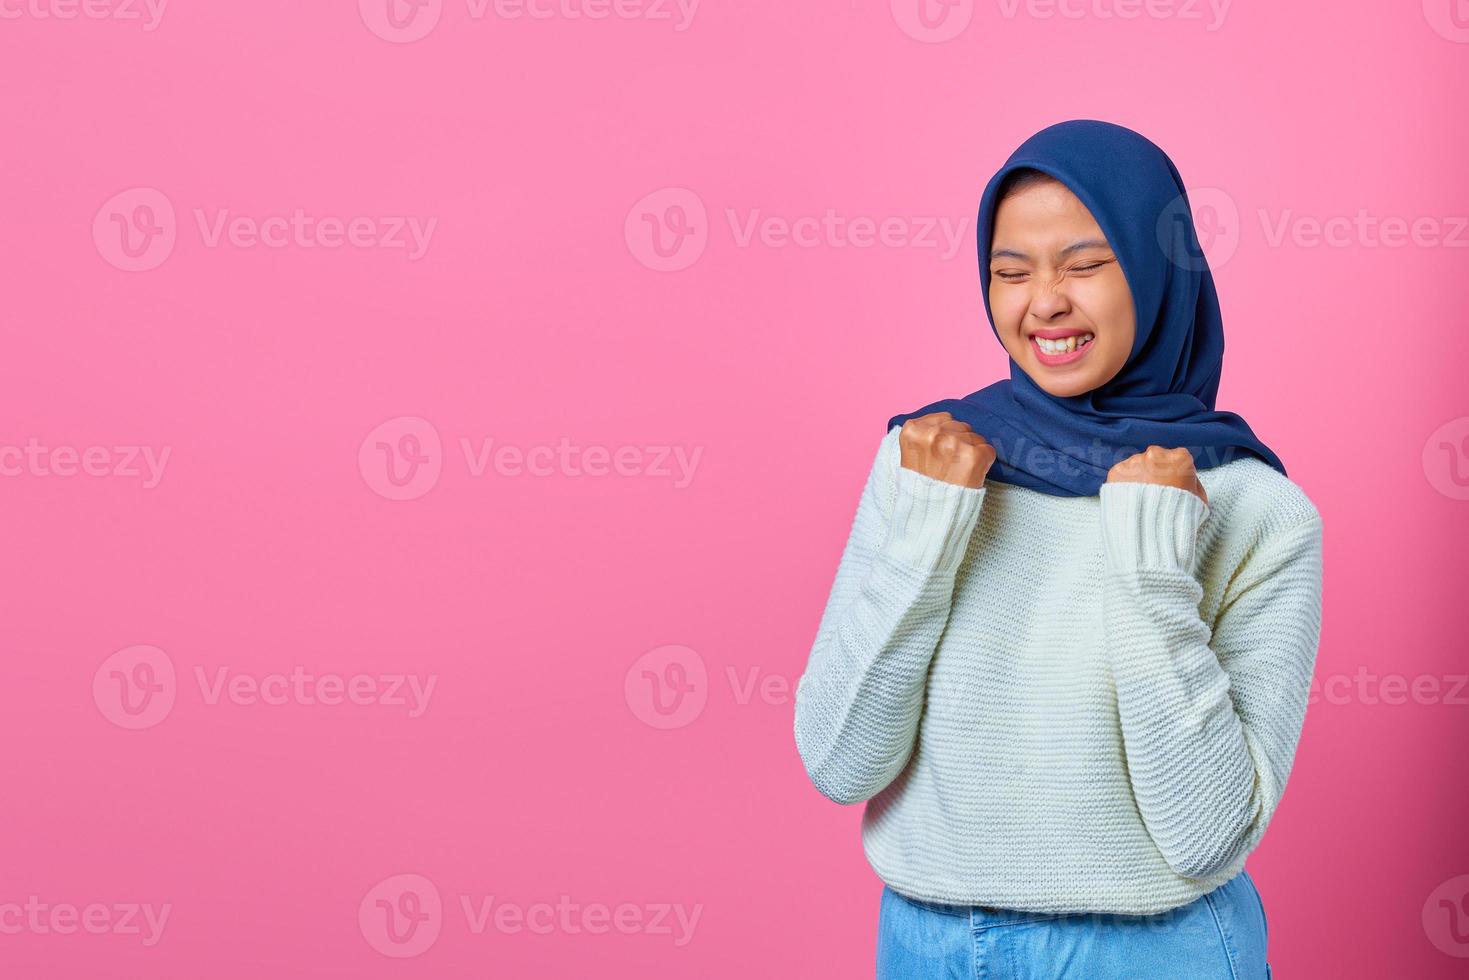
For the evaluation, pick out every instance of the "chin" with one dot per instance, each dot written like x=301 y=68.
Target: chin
x=1057 y=382
x=1066 y=389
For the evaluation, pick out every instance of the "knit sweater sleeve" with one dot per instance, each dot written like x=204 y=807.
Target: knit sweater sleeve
x=1210 y=717
x=858 y=703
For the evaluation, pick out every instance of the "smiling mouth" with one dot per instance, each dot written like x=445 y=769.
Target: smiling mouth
x=1061 y=350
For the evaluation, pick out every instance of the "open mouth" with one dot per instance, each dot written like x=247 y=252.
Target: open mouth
x=1061 y=350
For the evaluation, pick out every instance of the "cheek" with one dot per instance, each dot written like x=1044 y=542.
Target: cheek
x=1008 y=308
x=1114 y=304
x=1111 y=310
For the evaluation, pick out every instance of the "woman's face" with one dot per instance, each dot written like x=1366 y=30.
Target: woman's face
x=1054 y=276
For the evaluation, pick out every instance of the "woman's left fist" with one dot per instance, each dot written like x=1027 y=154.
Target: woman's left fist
x=1166 y=467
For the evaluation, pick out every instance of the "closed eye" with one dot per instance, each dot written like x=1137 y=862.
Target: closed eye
x=1012 y=276
x=1094 y=266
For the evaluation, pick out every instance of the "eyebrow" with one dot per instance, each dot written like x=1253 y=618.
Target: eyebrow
x=1011 y=253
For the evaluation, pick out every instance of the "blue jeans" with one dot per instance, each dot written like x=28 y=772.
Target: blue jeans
x=1218 y=935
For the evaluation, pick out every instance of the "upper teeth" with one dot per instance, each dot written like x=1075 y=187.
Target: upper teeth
x=1063 y=345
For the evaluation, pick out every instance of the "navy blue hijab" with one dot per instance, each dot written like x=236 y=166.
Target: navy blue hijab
x=1164 y=393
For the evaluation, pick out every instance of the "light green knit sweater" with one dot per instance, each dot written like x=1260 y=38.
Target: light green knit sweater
x=1064 y=704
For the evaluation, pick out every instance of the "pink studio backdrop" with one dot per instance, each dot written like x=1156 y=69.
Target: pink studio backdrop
x=430 y=432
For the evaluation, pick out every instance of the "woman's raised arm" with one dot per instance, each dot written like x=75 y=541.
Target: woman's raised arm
x=1210 y=718
x=859 y=700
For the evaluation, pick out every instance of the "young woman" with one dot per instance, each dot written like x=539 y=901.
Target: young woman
x=1066 y=657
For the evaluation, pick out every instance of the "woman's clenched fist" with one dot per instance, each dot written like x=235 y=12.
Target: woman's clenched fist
x=940 y=446
x=1166 y=467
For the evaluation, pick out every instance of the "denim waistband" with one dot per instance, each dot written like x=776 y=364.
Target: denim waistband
x=985 y=916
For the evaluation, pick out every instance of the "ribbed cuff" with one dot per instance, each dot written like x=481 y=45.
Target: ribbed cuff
x=1149 y=525
x=931 y=521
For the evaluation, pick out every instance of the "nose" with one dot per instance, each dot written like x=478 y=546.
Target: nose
x=1049 y=303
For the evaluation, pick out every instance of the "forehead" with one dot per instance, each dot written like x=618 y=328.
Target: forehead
x=1043 y=212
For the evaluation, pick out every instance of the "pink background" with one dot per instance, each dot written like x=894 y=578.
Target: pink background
x=543 y=767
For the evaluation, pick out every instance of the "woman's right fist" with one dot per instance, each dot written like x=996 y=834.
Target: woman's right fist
x=940 y=446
